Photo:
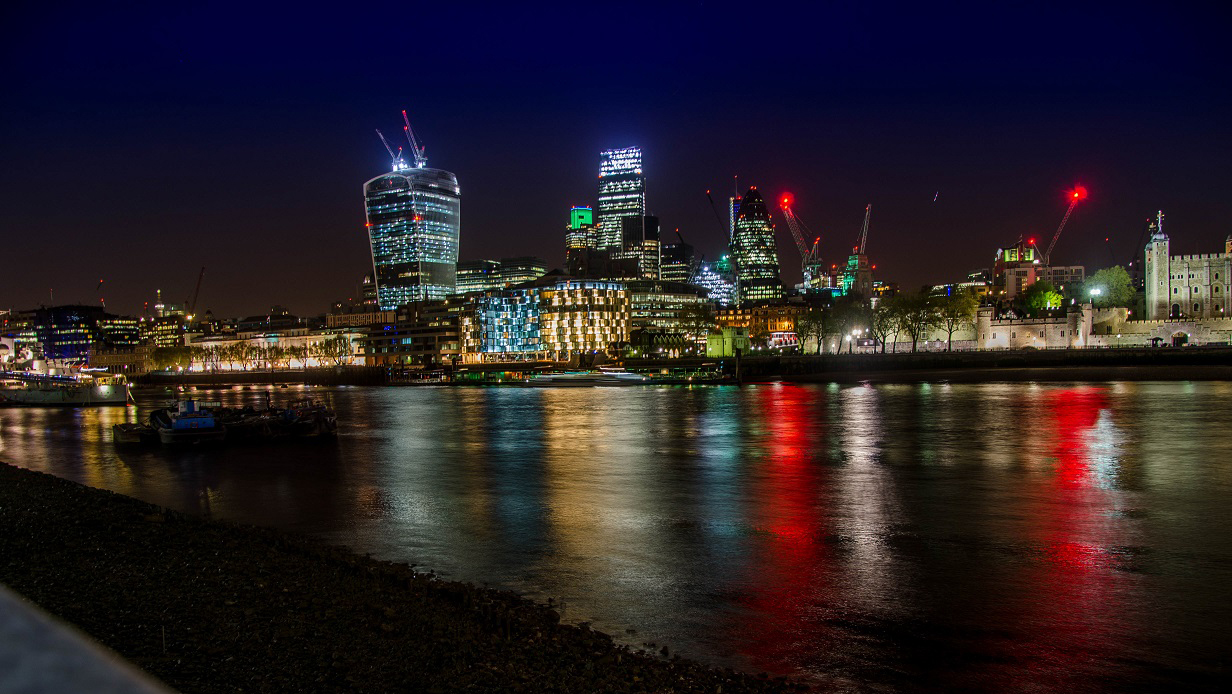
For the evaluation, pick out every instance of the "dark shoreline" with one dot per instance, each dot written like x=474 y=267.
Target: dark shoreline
x=258 y=610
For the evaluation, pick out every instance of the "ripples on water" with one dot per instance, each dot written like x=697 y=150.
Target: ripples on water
x=890 y=537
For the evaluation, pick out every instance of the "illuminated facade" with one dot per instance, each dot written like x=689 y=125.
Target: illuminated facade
x=753 y=250
x=662 y=304
x=677 y=262
x=622 y=193
x=640 y=242
x=1018 y=267
x=478 y=276
x=718 y=279
x=413 y=229
x=581 y=234
x=552 y=319
x=1186 y=286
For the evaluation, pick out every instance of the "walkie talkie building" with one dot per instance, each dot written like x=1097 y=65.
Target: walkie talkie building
x=413 y=227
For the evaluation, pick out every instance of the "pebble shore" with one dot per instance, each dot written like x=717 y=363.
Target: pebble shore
x=207 y=606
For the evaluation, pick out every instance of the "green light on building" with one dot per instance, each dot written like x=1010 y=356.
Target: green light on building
x=581 y=216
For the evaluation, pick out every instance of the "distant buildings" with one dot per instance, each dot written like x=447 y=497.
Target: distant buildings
x=484 y=275
x=640 y=242
x=1018 y=267
x=70 y=332
x=719 y=279
x=677 y=262
x=622 y=193
x=413 y=230
x=753 y=250
x=1186 y=286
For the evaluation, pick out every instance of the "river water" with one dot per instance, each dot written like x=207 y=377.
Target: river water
x=923 y=537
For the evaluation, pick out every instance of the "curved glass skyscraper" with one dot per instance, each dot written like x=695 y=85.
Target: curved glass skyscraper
x=753 y=249
x=413 y=225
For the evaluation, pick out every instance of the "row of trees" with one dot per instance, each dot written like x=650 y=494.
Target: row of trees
x=913 y=315
x=335 y=351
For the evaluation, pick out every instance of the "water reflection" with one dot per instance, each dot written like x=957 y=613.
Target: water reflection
x=963 y=536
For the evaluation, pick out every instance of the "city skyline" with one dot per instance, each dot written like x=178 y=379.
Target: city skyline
x=960 y=156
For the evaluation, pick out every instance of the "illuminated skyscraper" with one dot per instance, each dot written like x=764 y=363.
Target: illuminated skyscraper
x=580 y=234
x=622 y=193
x=413 y=228
x=753 y=249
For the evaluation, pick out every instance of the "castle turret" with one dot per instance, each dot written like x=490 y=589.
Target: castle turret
x=1156 y=278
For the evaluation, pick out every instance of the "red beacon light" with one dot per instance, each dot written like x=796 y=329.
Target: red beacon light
x=787 y=200
x=1079 y=193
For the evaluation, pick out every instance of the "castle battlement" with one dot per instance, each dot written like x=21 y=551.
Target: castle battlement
x=1200 y=256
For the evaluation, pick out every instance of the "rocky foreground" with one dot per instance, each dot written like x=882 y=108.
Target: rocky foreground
x=212 y=607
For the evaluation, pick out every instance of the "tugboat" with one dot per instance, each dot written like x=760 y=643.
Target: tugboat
x=187 y=423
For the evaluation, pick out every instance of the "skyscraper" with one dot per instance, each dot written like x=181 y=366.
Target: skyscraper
x=640 y=242
x=754 y=251
x=413 y=229
x=622 y=193
x=580 y=234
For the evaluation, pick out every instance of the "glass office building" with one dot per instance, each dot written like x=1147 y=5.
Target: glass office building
x=622 y=193
x=753 y=249
x=413 y=228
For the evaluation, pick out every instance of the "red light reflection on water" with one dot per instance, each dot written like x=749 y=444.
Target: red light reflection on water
x=788 y=562
x=1072 y=614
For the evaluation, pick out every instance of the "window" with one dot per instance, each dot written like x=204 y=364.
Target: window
x=1041 y=333
x=994 y=336
x=1196 y=309
x=1013 y=334
x=1176 y=290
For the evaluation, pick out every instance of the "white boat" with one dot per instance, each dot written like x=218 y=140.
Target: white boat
x=579 y=379
x=68 y=389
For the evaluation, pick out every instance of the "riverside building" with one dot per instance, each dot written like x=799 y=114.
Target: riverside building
x=1186 y=286
x=413 y=228
x=551 y=318
x=622 y=193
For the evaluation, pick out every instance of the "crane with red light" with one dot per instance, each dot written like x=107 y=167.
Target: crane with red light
x=416 y=150
x=1076 y=195
x=864 y=230
x=810 y=258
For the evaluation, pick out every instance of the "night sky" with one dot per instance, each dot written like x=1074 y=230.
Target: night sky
x=141 y=144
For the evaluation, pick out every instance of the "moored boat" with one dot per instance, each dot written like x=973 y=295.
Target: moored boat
x=187 y=423
x=63 y=389
x=603 y=377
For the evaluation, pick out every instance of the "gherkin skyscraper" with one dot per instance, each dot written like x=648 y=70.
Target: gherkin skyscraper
x=753 y=249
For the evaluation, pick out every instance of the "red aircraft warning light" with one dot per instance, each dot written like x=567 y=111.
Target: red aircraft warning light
x=1079 y=193
x=787 y=200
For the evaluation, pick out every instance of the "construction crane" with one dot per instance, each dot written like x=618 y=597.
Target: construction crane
x=397 y=158
x=810 y=258
x=416 y=150
x=864 y=231
x=1077 y=194
x=192 y=307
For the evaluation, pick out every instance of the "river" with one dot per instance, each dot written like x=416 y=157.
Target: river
x=922 y=537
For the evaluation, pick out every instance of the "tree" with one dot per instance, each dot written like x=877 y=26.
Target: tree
x=277 y=356
x=1039 y=298
x=759 y=333
x=812 y=325
x=954 y=312
x=917 y=314
x=882 y=322
x=1109 y=287
x=297 y=353
x=697 y=321
x=850 y=313
x=336 y=349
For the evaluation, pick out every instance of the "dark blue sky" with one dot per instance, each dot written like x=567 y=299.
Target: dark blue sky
x=143 y=143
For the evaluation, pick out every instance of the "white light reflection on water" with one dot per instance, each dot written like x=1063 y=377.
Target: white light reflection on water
x=1076 y=536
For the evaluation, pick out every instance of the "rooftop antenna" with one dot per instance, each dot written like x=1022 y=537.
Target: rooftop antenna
x=416 y=150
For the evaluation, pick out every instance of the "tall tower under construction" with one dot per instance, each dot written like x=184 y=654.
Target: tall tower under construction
x=622 y=193
x=753 y=249
x=413 y=228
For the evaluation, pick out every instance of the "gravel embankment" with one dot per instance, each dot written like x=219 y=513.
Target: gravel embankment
x=212 y=607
